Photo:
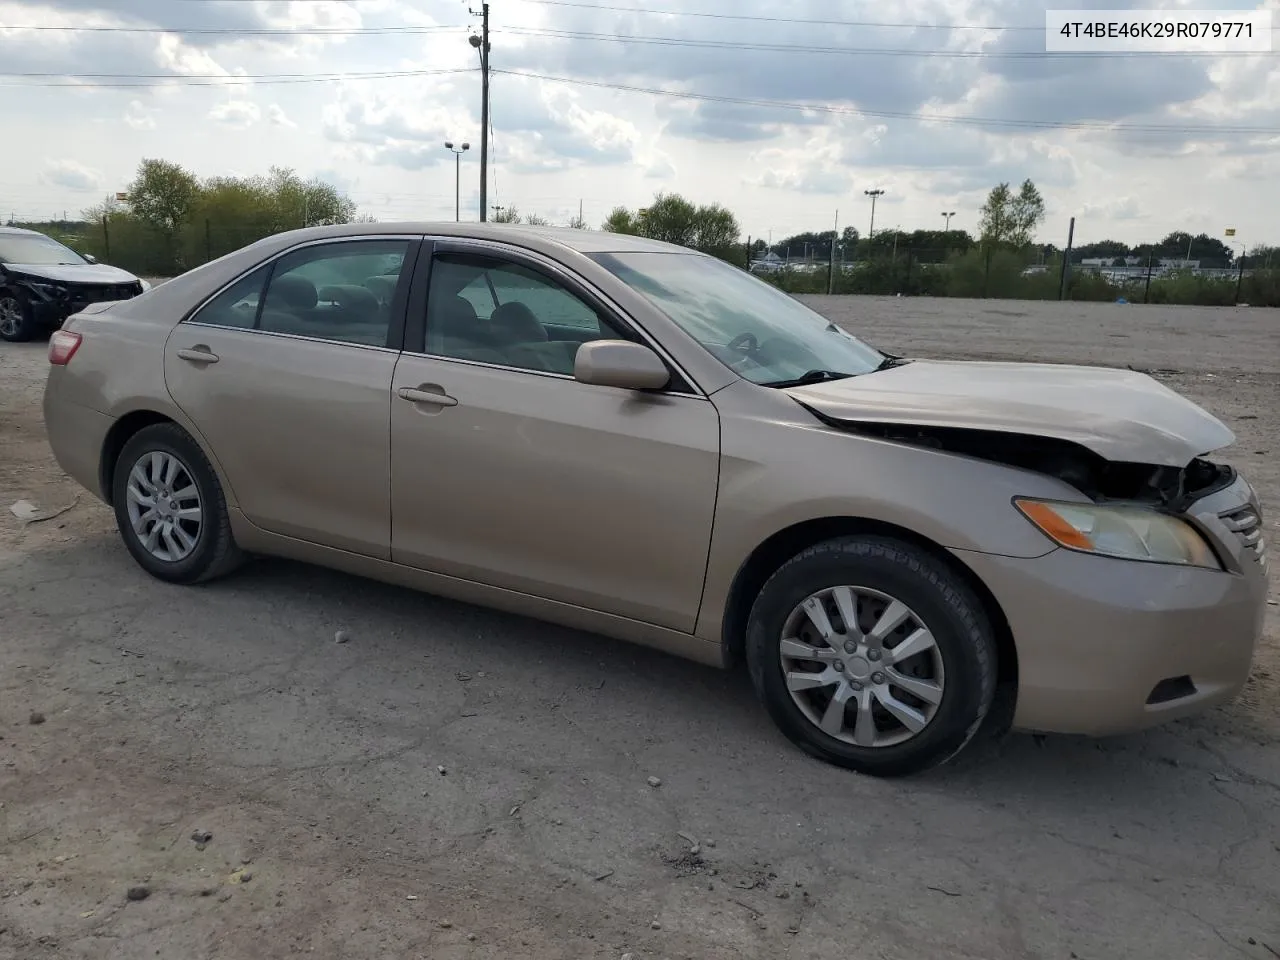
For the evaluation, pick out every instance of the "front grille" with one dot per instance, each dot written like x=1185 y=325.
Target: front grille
x=1246 y=524
x=98 y=292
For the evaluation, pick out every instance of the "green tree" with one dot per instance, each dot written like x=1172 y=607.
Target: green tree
x=162 y=196
x=621 y=220
x=710 y=228
x=1011 y=218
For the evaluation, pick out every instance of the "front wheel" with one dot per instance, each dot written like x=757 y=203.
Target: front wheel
x=872 y=654
x=170 y=508
x=16 y=323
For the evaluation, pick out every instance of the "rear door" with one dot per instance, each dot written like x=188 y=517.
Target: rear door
x=508 y=471
x=287 y=375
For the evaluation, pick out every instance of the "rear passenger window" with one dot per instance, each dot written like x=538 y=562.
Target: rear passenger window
x=335 y=291
x=236 y=306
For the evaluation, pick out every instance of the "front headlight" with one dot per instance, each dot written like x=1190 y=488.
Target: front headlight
x=51 y=291
x=1126 y=533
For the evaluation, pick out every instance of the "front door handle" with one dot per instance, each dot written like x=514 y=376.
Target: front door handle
x=200 y=354
x=436 y=397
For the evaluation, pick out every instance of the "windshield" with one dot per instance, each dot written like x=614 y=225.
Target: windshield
x=759 y=332
x=20 y=248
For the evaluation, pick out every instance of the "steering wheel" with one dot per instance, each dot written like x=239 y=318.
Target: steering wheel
x=744 y=343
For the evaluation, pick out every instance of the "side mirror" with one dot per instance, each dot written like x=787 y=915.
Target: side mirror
x=620 y=363
x=89 y=257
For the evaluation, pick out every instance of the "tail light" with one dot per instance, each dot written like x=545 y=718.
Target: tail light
x=63 y=345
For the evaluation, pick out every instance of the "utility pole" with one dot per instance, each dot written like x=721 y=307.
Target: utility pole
x=831 y=267
x=1066 y=261
x=1240 y=276
x=1146 y=294
x=874 y=195
x=481 y=43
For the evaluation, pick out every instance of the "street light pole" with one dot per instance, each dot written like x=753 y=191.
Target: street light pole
x=457 y=179
x=874 y=195
x=949 y=216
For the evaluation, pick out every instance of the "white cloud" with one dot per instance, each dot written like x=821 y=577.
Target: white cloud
x=236 y=113
x=778 y=167
x=71 y=175
x=139 y=117
x=277 y=116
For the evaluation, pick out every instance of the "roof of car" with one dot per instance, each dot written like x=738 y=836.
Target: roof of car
x=583 y=241
x=21 y=230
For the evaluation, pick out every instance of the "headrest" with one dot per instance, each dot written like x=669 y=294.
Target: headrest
x=298 y=292
x=518 y=321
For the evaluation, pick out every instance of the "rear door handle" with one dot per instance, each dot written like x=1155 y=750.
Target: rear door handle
x=198 y=355
x=419 y=395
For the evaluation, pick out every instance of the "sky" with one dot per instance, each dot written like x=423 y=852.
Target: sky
x=785 y=112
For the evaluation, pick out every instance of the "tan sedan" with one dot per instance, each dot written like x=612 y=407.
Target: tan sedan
x=635 y=439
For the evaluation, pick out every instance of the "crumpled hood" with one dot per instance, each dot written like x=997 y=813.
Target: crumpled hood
x=72 y=272
x=1118 y=414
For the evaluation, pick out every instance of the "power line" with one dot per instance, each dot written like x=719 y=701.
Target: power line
x=893 y=115
x=211 y=80
x=796 y=20
x=851 y=51
x=761 y=19
x=260 y=31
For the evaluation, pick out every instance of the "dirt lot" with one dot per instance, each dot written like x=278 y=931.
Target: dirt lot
x=454 y=783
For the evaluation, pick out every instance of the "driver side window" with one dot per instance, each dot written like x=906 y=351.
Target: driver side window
x=495 y=311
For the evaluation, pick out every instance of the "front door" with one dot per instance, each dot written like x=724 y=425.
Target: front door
x=287 y=375
x=507 y=471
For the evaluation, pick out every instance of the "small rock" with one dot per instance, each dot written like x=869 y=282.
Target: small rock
x=627 y=956
x=655 y=925
x=1222 y=778
x=695 y=849
x=201 y=836
x=411 y=897
x=462 y=677
x=655 y=782
x=709 y=844
x=341 y=637
x=139 y=892
x=471 y=937
x=799 y=884
x=442 y=771
x=226 y=895
x=783 y=895
x=446 y=924
x=36 y=718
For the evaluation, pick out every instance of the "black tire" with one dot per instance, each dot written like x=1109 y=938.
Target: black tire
x=215 y=553
x=940 y=598
x=25 y=327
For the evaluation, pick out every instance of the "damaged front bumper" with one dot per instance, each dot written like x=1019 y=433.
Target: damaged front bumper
x=1109 y=646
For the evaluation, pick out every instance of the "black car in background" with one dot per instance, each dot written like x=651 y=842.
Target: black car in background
x=42 y=282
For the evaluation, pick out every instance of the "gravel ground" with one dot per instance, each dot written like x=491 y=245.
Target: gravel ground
x=455 y=783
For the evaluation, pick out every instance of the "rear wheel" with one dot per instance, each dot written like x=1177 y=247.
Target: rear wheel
x=16 y=323
x=170 y=508
x=872 y=654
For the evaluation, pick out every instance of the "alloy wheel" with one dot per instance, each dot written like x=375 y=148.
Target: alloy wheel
x=164 y=506
x=862 y=666
x=10 y=316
